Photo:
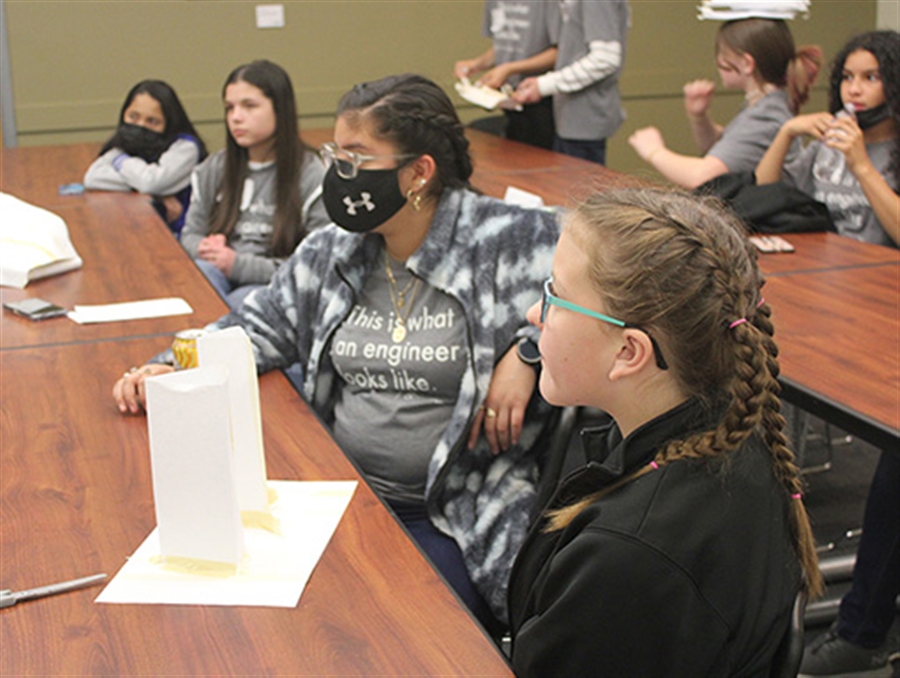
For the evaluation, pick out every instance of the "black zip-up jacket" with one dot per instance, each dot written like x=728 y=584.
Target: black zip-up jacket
x=686 y=571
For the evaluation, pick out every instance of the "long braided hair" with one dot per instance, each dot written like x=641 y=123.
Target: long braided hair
x=682 y=268
x=417 y=117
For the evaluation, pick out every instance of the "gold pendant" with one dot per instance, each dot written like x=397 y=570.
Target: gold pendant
x=399 y=333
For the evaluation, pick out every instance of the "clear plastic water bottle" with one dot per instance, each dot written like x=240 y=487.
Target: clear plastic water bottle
x=829 y=166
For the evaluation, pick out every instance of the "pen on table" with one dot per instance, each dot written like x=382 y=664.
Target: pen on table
x=9 y=598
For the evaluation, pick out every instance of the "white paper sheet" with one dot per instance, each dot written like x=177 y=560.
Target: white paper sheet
x=274 y=571
x=733 y=10
x=517 y=196
x=130 y=310
x=487 y=97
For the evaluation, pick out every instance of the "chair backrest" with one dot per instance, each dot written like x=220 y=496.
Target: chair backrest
x=554 y=461
x=786 y=663
x=494 y=124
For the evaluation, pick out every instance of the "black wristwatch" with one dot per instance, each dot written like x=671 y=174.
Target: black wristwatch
x=528 y=352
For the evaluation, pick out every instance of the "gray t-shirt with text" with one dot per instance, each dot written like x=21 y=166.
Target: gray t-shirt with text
x=397 y=398
x=519 y=29
x=822 y=173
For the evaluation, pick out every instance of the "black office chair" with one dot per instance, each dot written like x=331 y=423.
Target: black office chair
x=786 y=663
x=555 y=461
x=565 y=453
x=493 y=124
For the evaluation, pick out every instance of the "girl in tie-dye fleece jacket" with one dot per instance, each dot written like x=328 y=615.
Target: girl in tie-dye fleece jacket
x=492 y=258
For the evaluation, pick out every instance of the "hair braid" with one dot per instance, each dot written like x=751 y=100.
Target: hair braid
x=445 y=141
x=783 y=459
x=418 y=118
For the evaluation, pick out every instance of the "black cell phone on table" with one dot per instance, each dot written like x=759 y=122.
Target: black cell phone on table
x=35 y=309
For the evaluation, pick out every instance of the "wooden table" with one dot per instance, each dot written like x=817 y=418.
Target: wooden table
x=35 y=173
x=836 y=309
x=128 y=255
x=76 y=499
x=822 y=252
x=76 y=493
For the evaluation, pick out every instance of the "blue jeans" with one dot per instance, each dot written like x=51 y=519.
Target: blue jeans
x=234 y=296
x=868 y=609
x=447 y=558
x=595 y=151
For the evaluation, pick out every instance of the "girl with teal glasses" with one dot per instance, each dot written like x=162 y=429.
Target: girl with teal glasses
x=679 y=549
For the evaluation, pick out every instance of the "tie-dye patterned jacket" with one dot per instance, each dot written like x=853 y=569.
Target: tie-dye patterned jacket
x=492 y=258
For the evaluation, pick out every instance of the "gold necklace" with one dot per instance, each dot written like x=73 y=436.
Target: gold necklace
x=398 y=300
x=401 y=294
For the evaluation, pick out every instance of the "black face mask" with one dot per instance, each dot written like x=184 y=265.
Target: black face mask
x=362 y=203
x=872 y=116
x=140 y=141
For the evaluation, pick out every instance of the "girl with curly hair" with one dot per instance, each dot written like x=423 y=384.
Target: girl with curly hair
x=854 y=164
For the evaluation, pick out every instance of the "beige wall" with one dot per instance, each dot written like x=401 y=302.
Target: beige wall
x=72 y=61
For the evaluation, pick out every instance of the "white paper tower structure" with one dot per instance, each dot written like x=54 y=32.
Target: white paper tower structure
x=231 y=347
x=206 y=451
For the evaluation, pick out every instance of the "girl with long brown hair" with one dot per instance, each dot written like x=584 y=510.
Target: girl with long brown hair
x=679 y=549
x=253 y=202
x=758 y=56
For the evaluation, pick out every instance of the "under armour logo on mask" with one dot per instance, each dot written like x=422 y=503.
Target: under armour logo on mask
x=364 y=201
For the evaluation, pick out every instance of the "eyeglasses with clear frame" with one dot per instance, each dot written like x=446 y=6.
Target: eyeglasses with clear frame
x=347 y=162
x=549 y=299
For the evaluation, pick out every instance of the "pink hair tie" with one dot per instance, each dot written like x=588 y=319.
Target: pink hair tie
x=739 y=321
x=797 y=496
x=654 y=465
x=762 y=300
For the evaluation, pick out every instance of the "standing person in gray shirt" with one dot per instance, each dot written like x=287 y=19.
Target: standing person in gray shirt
x=523 y=35
x=587 y=106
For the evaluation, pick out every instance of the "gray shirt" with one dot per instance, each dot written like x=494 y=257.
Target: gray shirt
x=748 y=136
x=396 y=399
x=594 y=112
x=252 y=235
x=822 y=172
x=519 y=29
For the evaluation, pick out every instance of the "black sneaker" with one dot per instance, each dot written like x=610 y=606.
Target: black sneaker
x=830 y=654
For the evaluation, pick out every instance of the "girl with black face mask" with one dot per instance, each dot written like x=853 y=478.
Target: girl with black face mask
x=405 y=319
x=154 y=150
x=853 y=164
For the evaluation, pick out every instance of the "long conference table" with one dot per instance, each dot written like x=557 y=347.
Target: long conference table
x=75 y=489
x=76 y=494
